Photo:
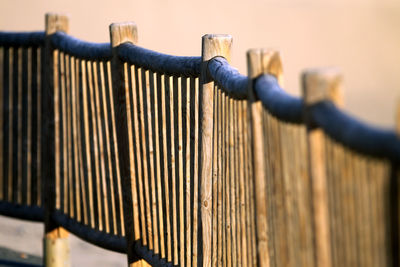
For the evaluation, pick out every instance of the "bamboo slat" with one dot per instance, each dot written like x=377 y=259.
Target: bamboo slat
x=139 y=157
x=188 y=163
x=144 y=143
x=117 y=177
x=157 y=131
x=131 y=152
x=168 y=231
x=10 y=120
x=19 y=171
x=170 y=89
x=71 y=183
x=215 y=177
x=220 y=135
x=39 y=125
x=196 y=173
x=2 y=109
x=81 y=78
x=79 y=141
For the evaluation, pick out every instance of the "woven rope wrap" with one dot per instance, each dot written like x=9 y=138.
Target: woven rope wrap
x=279 y=103
x=228 y=77
x=354 y=134
x=160 y=63
x=81 y=49
x=336 y=124
x=22 y=39
x=30 y=213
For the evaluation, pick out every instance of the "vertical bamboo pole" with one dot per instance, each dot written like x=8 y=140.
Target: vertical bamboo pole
x=56 y=246
x=261 y=62
x=2 y=107
x=121 y=33
x=319 y=85
x=212 y=46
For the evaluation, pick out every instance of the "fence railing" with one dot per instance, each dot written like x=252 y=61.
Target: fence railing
x=21 y=79
x=184 y=161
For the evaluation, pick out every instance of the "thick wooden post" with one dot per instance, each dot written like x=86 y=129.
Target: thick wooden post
x=261 y=62
x=320 y=85
x=212 y=46
x=56 y=245
x=122 y=33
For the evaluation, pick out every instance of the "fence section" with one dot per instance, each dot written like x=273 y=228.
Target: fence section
x=86 y=180
x=184 y=161
x=354 y=205
x=159 y=106
x=359 y=207
x=86 y=155
x=316 y=173
x=282 y=184
x=21 y=81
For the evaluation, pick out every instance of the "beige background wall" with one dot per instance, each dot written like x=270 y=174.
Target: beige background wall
x=362 y=37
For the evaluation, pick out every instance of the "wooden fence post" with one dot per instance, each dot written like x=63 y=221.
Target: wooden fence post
x=261 y=62
x=56 y=245
x=124 y=33
x=212 y=46
x=320 y=85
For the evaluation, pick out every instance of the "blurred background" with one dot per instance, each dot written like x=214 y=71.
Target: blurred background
x=361 y=37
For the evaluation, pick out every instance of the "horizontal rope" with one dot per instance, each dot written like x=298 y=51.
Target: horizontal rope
x=149 y=256
x=101 y=239
x=21 y=39
x=29 y=213
x=81 y=49
x=160 y=63
x=106 y=241
x=228 y=77
x=279 y=103
x=355 y=134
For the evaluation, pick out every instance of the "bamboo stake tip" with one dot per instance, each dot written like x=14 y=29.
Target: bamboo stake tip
x=56 y=22
x=217 y=36
x=261 y=61
x=322 y=84
x=397 y=119
x=123 y=32
x=214 y=45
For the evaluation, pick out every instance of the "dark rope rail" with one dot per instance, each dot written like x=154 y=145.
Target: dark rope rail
x=105 y=240
x=101 y=239
x=228 y=77
x=355 y=134
x=160 y=63
x=279 y=103
x=29 y=213
x=23 y=39
x=81 y=49
x=149 y=256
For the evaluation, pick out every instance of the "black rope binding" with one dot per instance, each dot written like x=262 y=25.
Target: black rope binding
x=355 y=134
x=81 y=49
x=279 y=103
x=25 y=212
x=233 y=83
x=160 y=63
x=22 y=39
